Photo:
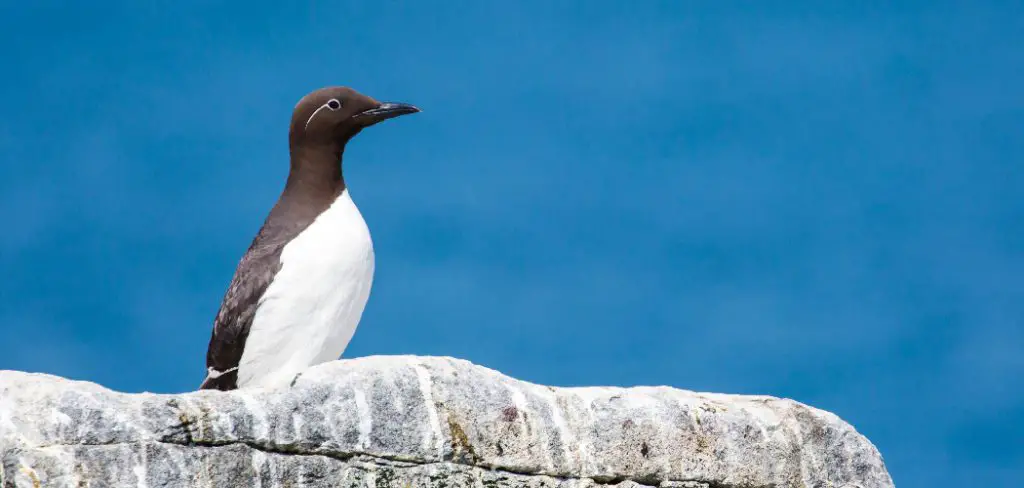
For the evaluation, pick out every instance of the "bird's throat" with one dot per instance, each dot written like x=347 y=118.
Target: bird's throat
x=316 y=171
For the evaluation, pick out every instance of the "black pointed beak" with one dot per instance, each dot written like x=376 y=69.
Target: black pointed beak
x=382 y=112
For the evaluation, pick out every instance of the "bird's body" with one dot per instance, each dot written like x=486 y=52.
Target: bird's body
x=309 y=312
x=299 y=291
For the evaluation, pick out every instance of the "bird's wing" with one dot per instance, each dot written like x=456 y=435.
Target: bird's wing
x=231 y=327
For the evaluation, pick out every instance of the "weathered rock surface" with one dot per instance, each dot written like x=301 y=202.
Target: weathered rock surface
x=417 y=422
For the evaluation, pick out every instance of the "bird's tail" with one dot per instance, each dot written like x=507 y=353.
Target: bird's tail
x=217 y=380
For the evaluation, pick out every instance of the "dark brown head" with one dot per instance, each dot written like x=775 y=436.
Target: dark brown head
x=331 y=116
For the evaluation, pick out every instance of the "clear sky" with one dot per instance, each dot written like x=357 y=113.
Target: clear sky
x=821 y=204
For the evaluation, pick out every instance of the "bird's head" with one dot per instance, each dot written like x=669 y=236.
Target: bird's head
x=333 y=115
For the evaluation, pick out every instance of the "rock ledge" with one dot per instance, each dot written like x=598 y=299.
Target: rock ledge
x=408 y=421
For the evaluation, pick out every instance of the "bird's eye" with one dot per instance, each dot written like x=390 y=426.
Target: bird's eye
x=333 y=104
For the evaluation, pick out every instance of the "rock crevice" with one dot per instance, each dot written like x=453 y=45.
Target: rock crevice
x=421 y=421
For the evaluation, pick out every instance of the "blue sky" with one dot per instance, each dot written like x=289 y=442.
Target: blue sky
x=821 y=204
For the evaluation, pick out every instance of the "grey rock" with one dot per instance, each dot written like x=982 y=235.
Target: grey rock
x=416 y=422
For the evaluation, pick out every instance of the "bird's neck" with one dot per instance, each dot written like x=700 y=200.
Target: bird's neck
x=316 y=172
x=314 y=183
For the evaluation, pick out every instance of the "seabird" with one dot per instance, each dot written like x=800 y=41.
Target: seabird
x=299 y=291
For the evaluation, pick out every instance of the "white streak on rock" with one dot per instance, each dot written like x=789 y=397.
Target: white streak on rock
x=586 y=460
x=6 y=424
x=518 y=399
x=564 y=436
x=258 y=459
x=537 y=432
x=140 y=473
x=273 y=474
x=140 y=469
x=428 y=400
x=809 y=460
x=256 y=412
x=301 y=472
x=297 y=424
x=365 y=419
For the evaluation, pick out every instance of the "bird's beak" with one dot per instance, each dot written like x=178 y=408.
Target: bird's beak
x=382 y=112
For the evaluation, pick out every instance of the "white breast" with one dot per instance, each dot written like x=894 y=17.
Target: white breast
x=311 y=309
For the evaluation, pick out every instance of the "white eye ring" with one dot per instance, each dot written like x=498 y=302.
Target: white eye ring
x=333 y=105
